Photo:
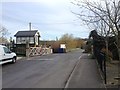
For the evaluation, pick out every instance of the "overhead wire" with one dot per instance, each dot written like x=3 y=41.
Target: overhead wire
x=44 y=23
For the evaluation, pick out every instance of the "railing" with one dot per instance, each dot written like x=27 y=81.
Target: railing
x=101 y=59
x=102 y=63
x=35 y=51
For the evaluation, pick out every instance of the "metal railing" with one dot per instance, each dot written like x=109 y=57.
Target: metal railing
x=101 y=59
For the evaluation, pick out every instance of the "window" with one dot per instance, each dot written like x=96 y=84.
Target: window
x=31 y=39
x=6 y=50
x=27 y=38
x=18 y=40
x=23 y=38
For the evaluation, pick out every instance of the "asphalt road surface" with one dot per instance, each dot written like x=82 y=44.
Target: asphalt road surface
x=49 y=71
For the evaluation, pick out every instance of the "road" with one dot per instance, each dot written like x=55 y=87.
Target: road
x=49 y=71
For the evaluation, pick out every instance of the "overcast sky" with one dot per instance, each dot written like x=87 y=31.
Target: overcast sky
x=52 y=18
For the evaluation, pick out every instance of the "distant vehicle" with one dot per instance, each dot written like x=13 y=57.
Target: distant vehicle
x=6 y=55
x=59 y=48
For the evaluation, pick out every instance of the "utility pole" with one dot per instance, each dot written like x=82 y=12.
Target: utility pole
x=30 y=26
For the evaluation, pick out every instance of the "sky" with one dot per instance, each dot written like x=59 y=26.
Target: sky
x=52 y=18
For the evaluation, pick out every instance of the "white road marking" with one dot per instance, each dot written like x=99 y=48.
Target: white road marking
x=71 y=75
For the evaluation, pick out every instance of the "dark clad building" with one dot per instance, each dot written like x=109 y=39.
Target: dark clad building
x=23 y=38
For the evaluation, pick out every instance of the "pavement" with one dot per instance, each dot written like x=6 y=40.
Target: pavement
x=19 y=58
x=86 y=74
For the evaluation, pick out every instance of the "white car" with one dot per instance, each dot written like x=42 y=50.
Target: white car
x=6 y=55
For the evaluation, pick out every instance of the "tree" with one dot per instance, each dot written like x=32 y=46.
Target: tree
x=80 y=42
x=3 y=33
x=69 y=40
x=3 y=30
x=105 y=14
x=3 y=40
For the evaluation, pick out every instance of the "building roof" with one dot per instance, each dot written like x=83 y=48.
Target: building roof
x=26 y=33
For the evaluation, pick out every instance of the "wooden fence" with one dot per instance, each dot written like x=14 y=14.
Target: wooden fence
x=35 y=51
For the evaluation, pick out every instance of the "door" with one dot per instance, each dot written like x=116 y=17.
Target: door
x=7 y=54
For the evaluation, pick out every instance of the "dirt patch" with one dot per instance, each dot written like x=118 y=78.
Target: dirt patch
x=113 y=74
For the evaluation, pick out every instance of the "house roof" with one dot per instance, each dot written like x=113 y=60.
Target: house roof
x=26 y=33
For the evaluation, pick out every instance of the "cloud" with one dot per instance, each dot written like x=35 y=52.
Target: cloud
x=49 y=2
x=51 y=17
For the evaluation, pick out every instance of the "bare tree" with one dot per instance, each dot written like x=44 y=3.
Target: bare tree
x=105 y=14
x=3 y=33
x=69 y=40
x=3 y=30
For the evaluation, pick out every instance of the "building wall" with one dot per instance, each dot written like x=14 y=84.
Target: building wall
x=36 y=39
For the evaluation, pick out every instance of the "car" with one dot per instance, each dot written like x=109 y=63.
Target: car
x=6 y=55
